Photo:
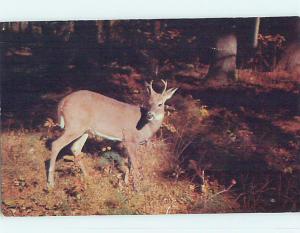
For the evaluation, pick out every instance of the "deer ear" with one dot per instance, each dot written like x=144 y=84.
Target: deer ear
x=169 y=93
x=147 y=88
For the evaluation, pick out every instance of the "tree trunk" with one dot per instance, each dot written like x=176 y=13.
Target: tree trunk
x=256 y=31
x=100 y=33
x=223 y=67
x=290 y=60
x=157 y=28
x=106 y=30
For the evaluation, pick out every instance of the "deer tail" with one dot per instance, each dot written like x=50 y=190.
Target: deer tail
x=60 y=117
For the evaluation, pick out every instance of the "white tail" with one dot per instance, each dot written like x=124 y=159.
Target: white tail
x=84 y=112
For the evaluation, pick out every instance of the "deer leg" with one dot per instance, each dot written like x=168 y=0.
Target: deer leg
x=57 y=145
x=124 y=165
x=131 y=150
x=76 y=150
x=126 y=174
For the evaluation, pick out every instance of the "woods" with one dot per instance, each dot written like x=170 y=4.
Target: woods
x=229 y=141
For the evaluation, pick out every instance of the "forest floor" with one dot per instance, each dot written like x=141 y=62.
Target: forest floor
x=246 y=142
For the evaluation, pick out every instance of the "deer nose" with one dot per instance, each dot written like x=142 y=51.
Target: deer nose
x=150 y=116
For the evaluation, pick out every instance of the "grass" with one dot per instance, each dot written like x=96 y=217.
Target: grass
x=24 y=191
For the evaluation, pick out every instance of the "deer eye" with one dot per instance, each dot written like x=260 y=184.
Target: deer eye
x=159 y=105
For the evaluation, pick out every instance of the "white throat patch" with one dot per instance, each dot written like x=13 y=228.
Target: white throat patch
x=159 y=117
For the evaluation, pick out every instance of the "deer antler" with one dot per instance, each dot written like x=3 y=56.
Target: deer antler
x=149 y=85
x=165 y=86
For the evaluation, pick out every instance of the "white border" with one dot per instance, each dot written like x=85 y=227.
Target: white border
x=13 y=10
x=225 y=223
x=38 y=10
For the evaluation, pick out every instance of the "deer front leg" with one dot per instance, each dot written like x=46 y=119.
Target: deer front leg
x=131 y=150
x=76 y=150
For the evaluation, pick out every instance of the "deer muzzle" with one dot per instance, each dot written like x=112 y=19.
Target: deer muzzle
x=150 y=116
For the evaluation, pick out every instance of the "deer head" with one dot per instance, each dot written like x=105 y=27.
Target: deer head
x=156 y=103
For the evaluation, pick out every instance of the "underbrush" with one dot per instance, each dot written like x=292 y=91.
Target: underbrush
x=244 y=156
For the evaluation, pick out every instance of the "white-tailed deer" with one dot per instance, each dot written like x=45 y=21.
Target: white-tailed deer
x=84 y=112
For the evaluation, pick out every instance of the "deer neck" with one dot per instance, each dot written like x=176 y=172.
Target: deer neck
x=150 y=128
x=154 y=125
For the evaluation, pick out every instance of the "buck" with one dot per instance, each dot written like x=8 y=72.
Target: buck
x=85 y=112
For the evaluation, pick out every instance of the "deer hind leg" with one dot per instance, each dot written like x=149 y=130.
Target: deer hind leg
x=66 y=138
x=76 y=150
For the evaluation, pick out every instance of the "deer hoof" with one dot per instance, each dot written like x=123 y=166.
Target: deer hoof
x=136 y=184
x=50 y=186
x=136 y=187
x=126 y=178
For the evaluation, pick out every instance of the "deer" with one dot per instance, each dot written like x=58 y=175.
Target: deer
x=83 y=113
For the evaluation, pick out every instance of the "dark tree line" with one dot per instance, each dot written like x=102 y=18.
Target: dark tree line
x=150 y=44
